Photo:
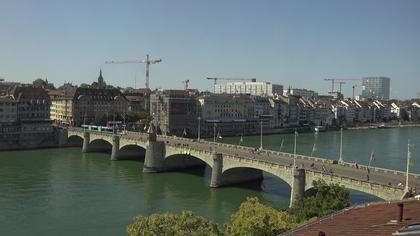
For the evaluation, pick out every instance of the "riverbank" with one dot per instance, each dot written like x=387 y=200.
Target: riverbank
x=27 y=139
x=384 y=125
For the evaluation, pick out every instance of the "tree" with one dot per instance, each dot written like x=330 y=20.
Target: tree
x=171 y=224
x=326 y=200
x=38 y=83
x=254 y=218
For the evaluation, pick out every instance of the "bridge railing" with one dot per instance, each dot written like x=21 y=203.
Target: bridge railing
x=318 y=173
x=383 y=170
x=322 y=160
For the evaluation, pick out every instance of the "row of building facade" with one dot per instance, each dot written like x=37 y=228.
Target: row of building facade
x=241 y=109
x=179 y=112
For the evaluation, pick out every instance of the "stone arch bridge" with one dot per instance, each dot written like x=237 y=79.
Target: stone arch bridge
x=232 y=164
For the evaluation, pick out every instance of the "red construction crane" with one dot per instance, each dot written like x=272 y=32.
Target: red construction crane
x=147 y=61
x=186 y=84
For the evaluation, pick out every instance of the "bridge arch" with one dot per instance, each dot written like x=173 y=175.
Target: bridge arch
x=176 y=152
x=248 y=173
x=284 y=173
x=132 y=152
x=379 y=191
x=75 y=140
x=124 y=144
x=183 y=161
x=100 y=145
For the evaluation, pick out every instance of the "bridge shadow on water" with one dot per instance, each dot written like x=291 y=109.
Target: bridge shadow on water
x=132 y=153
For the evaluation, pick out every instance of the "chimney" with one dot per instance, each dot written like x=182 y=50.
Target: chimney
x=400 y=212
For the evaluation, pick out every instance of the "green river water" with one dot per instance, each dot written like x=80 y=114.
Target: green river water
x=65 y=192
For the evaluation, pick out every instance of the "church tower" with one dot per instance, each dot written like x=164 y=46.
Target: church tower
x=101 y=83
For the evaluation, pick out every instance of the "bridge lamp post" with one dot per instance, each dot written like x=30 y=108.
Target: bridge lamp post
x=214 y=132
x=406 y=189
x=261 y=129
x=294 y=150
x=261 y=135
x=341 y=146
x=199 y=126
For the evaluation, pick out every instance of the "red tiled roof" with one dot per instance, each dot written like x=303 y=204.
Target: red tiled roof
x=372 y=219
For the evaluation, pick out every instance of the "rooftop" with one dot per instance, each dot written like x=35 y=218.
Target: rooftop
x=371 y=219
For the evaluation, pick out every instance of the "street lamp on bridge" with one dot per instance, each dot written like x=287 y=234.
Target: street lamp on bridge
x=340 y=160
x=199 y=124
x=261 y=130
x=294 y=150
x=214 y=132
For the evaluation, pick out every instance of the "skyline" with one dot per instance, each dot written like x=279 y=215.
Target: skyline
x=291 y=43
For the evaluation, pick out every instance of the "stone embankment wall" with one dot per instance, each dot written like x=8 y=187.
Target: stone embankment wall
x=49 y=139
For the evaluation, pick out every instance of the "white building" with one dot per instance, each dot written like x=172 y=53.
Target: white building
x=253 y=88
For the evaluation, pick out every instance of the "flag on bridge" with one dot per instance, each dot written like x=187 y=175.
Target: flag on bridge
x=314 y=149
x=410 y=159
x=281 y=145
x=372 y=156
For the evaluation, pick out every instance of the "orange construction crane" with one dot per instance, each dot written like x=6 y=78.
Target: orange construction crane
x=185 y=82
x=147 y=61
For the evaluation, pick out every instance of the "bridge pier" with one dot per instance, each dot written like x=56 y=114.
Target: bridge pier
x=298 y=188
x=216 y=172
x=155 y=155
x=62 y=137
x=115 y=147
x=86 y=141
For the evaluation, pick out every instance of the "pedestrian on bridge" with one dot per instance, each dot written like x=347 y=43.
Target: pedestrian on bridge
x=324 y=170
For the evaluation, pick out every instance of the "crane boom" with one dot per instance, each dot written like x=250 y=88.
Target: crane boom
x=125 y=62
x=147 y=61
x=339 y=81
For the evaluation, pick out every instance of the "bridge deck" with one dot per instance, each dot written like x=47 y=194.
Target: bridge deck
x=380 y=176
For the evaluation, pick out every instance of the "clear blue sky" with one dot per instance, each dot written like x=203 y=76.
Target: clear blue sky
x=296 y=43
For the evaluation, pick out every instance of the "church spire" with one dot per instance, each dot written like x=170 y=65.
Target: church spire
x=101 y=83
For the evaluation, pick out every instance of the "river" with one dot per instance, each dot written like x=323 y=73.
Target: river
x=65 y=192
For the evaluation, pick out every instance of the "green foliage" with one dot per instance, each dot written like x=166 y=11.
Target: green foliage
x=326 y=200
x=254 y=218
x=39 y=83
x=83 y=85
x=171 y=224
